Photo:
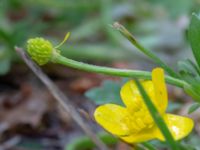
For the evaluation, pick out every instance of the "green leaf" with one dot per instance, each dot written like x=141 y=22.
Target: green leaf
x=108 y=92
x=194 y=36
x=193 y=108
x=192 y=91
x=188 y=68
x=190 y=73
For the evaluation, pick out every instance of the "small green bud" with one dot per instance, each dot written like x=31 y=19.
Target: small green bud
x=40 y=50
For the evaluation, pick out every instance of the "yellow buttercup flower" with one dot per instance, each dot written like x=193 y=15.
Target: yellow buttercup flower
x=134 y=123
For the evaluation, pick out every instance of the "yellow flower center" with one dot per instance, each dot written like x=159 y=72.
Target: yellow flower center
x=140 y=120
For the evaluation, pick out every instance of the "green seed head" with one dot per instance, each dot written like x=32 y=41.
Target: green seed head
x=40 y=50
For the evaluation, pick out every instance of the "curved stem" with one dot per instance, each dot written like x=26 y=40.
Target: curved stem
x=113 y=71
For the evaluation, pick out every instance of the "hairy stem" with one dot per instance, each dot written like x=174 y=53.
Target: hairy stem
x=113 y=71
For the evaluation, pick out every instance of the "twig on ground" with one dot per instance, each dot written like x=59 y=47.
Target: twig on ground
x=61 y=98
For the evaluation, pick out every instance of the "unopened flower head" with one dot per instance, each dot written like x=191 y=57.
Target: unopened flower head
x=40 y=50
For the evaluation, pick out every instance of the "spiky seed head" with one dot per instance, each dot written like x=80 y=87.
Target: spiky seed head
x=40 y=50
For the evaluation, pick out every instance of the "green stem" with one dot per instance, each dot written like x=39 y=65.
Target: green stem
x=157 y=118
x=85 y=143
x=112 y=71
x=147 y=52
x=148 y=146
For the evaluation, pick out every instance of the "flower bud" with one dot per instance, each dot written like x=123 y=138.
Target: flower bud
x=40 y=50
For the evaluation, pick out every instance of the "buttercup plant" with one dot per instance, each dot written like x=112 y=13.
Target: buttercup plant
x=144 y=117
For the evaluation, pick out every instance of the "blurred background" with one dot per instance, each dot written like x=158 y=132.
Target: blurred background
x=30 y=119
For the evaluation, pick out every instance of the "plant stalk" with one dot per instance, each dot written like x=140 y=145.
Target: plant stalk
x=157 y=118
x=113 y=71
x=147 y=52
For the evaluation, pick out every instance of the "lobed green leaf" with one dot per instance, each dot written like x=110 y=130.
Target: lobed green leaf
x=194 y=36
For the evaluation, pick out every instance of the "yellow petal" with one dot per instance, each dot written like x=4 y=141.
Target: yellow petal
x=179 y=126
x=144 y=135
x=131 y=95
x=114 y=119
x=160 y=89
